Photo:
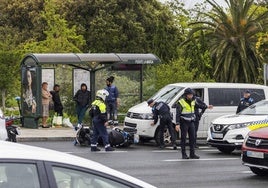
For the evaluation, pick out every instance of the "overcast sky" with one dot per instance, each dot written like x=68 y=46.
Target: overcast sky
x=191 y=3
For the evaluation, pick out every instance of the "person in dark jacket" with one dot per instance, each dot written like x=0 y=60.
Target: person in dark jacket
x=200 y=108
x=161 y=110
x=185 y=118
x=83 y=100
x=112 y=102
x=245 y=102
x=58 y=108
x=100 y=121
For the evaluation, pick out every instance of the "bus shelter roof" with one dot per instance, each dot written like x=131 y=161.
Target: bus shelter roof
x=90 y=60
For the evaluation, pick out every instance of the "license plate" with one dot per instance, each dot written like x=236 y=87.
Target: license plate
x=217 y=135
x=254 y=154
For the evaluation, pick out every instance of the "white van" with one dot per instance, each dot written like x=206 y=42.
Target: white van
x=223 y=96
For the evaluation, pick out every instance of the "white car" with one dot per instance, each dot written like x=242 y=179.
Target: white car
x=23 y=166
x=227 y=133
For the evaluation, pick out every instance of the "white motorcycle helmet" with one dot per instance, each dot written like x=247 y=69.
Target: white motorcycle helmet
x=102 y=94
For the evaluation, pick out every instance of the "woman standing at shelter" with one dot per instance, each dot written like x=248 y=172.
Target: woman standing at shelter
x=46 y=97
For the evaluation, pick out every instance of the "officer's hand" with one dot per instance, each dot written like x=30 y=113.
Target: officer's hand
x=210 y=106
x=177 y=128
x=152 y=124
x=106 y=124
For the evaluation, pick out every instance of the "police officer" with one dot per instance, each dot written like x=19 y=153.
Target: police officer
x=245 y=102
x=162 y=110
x=200 y=108
x=185 y=118
x=99 y=115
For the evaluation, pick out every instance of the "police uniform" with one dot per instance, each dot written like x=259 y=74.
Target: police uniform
x=185 y=117
x=244 y=103
x=199 y=105
x=99 y=115
x=162 y=110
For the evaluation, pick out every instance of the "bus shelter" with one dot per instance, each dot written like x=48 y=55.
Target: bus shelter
x=31 y=74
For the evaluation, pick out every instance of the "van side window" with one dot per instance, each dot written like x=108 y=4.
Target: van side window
x=231 y=96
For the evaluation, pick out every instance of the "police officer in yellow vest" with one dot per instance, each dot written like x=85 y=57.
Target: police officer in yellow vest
x=99 y=115
x=185 y=118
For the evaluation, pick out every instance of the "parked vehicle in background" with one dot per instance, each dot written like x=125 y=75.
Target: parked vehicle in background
x=34 y=167
x=8 y=131
x=227 y=133
x=255 y=151
x=223 y=96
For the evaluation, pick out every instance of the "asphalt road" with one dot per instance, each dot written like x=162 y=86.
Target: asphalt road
x=166 y=169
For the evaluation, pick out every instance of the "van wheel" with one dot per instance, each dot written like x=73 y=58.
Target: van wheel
x=259 y=172
x=226 y=150
x=166 y=135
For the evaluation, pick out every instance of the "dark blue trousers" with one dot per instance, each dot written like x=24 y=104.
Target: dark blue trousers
x=99 y=130
x=187 y=127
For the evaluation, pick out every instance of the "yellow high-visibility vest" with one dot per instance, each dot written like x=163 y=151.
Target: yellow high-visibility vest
x=186 y=108
x=101 y=105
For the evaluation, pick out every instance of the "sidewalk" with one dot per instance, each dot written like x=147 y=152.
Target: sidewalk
x=46 y=134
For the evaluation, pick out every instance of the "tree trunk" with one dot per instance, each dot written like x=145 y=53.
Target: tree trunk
x=4 y=99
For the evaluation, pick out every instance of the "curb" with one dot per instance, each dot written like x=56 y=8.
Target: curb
x=39 y=139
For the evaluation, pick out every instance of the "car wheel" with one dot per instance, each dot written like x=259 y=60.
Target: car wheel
x=166 y=135
x=259 y=172
x=226 y=150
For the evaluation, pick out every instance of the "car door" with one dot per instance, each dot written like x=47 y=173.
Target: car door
x=22 y=174
x=68 y=176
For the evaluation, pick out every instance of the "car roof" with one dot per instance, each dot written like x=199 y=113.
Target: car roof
x=218 y=85
x=10 y=150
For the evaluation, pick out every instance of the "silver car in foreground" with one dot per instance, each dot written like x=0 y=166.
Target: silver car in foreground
x=23 y=166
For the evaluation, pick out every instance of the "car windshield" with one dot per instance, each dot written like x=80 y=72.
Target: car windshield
x=259 y=108
x=167 y=93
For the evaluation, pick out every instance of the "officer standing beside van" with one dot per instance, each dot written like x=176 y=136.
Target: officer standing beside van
x=200 y=108
x=245 y=102
x=162 y=110
x=185 y=118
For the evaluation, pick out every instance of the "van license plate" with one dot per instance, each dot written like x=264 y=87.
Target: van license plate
x=254 y=154
x=217 y=135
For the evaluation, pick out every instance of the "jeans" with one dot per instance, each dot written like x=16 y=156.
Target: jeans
x=80 y=113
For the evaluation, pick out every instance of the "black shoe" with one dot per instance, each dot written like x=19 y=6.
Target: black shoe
x=95 y=149
x=174 y=147
x=109 y=149
x=196 y=147
x=185 y=156
x=194 y=156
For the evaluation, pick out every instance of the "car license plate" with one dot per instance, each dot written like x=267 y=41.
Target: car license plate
x=217 y=135
x=254 y=154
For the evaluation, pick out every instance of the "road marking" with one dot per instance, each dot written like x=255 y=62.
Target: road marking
x=165 y=151
x=103 y=151
x=212 y=150
x=246 y=172
x=207 y=159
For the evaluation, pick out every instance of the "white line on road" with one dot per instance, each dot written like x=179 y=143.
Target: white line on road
x=98 y=152
x=207 y=159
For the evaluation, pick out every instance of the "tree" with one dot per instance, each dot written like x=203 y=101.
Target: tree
x=232 y=39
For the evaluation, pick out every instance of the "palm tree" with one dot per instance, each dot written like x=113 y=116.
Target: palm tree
x=232 y=34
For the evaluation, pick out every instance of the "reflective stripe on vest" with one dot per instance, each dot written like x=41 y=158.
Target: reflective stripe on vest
x=101 y=105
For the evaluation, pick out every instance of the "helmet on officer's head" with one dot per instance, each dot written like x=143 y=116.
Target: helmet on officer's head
x=102 y=94
x=188 y=91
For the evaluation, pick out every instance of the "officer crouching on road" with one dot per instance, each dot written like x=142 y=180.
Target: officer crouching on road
x=162 y=110
x=185 y=118
x=245 y=102
x=99 y=115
